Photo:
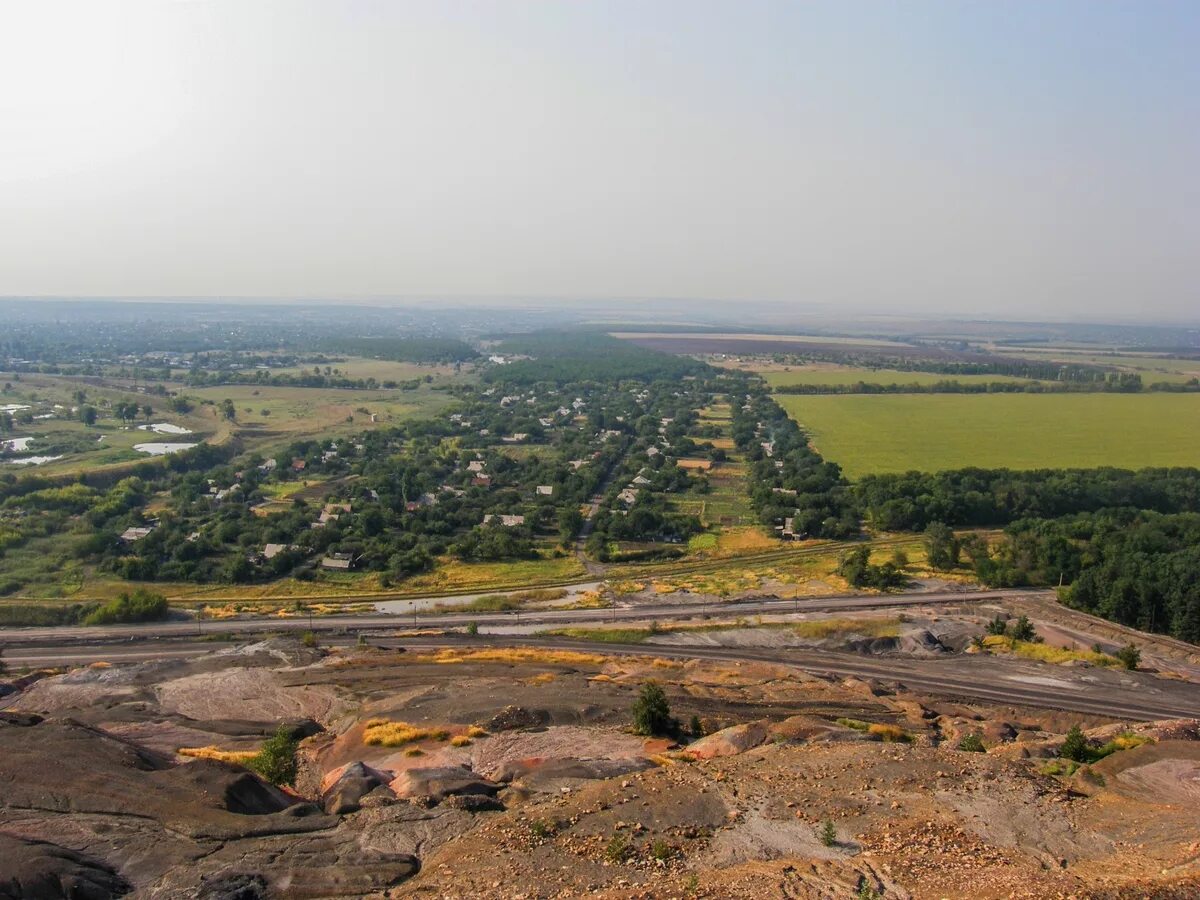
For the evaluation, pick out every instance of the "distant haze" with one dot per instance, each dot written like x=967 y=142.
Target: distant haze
x=1003 y=159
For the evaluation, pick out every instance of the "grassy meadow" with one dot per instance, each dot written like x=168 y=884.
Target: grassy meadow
x=932 y=432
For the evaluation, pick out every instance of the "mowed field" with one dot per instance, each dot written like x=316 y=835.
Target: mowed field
x=932 y=432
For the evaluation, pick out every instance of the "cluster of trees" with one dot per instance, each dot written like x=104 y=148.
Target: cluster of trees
x=788 y=478
x=404 y=349
x=962 y=497
x=1114 y=382
x=856 y=567
x=564 y=357
x=1136 y=567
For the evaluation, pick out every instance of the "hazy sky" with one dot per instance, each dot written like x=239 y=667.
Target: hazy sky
x=1000 y=158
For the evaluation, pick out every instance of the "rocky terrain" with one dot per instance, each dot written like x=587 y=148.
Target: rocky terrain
x=493 y=772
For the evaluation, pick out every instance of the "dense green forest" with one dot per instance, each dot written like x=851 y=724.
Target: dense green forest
x=982 y=497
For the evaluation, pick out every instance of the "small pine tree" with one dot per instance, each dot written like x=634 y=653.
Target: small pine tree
x=651 y=711
x=472 y=628
x=1023 y=630
x=827 y=833
x=694 y=726
x=1075 y=747
x=997 y=626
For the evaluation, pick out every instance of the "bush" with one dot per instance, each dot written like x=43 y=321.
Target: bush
x=827 y=833
x=308 y=639
x=695 y=727
x=140 y=606
x=1130 y=656
x=472 y=628
x=618 y=849
x=651 y=712
x=1023 y=630
x=276 y=761
x=997 y=626
x=972 y=743
x=1075 y=747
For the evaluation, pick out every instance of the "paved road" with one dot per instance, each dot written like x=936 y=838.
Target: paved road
x=11 y=637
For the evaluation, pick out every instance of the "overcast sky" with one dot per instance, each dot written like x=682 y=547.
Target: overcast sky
x=999 y=158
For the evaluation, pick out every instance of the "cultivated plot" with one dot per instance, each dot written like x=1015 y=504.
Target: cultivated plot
x=932 y=432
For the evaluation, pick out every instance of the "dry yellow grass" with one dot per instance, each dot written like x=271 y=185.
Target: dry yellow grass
x=702 y=465
x=382 y=733
x=890 y=734
x=541 y=678
x=414 y=751
x=475 y=731
x=819 y=629
x=460 y=740
x=998 y=643
x=514 y=655
x=241 y=757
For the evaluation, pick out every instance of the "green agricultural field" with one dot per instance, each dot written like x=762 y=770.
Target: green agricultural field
x=835 y=374
x=932 y=432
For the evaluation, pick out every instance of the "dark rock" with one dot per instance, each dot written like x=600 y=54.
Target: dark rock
x=474 y=803
x=21 y=720
x=538 y=772
x=512 y=718
x=234 y=887
x=33 y=870
x=356 y=781
x=299 y=729
x=437 y=783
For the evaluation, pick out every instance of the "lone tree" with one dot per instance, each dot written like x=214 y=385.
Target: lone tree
x=651 y=712
x=1075 y=747
x=827 y=833
x=276 y=762
x=1130 y=656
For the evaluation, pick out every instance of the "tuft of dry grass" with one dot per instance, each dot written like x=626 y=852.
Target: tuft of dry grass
x=513 y=656
x=889 y=734
x=382 y=733
x=998 y=643
x=241 y=757
x=460 y=740
x=476 y=731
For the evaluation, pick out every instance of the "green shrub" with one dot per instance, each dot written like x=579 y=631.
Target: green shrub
x=827 y=833
x=1075 y=747
x=618 y=849
x=276 y=761
x=1130 y=656
x=140 y=606
x=651 y=712
x=972 y=743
